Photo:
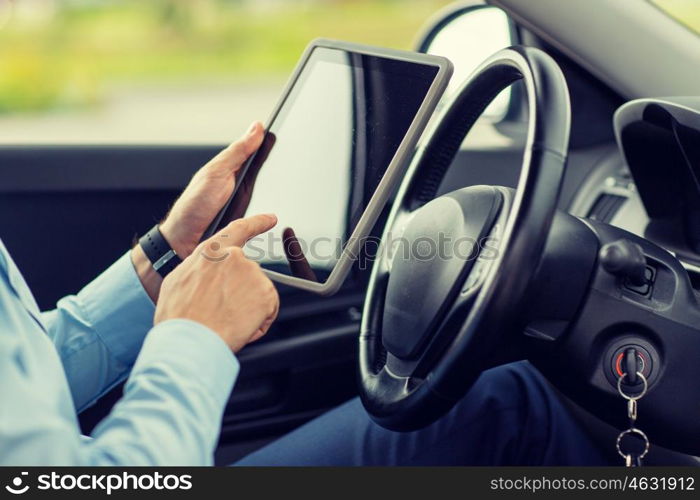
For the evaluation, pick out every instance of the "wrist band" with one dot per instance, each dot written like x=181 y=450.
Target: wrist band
x=163 y=258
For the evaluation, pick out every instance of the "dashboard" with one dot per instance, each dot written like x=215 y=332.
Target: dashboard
x=649 y=185
x=609 y=195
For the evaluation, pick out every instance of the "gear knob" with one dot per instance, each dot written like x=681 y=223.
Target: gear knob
x=625 y=259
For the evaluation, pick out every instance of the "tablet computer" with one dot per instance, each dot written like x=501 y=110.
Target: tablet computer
x=335 y=148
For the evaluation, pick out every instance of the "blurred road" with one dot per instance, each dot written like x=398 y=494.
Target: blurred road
x=159 y=114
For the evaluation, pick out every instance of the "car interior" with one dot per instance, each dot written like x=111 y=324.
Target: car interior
x=583 y=166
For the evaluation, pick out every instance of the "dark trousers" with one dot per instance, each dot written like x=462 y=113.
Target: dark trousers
x=511 y=416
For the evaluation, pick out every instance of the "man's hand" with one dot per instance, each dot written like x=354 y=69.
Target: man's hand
x=207 y=192
x=199 y=203
x=220 y=288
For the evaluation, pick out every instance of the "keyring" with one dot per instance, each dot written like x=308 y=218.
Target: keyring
x=632 y=430
x=638 y=396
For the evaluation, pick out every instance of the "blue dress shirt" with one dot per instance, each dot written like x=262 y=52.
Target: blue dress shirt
x=56 y=363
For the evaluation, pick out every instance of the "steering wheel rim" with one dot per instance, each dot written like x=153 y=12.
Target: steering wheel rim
x=411 y=400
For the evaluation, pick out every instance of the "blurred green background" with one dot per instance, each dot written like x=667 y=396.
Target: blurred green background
x=179 y=71
x=68 y=53
x=686 y=12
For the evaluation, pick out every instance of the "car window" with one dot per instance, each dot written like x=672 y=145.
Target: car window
x=687 y=12
x=467 y=36
x=469 y=39
x=168 y=71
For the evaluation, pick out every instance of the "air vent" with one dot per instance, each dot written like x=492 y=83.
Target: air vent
x=605 y=207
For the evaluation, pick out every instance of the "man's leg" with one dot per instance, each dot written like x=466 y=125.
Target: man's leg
x=511 y=416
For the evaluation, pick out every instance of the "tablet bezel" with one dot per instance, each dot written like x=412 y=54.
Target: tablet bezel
x=394 y=172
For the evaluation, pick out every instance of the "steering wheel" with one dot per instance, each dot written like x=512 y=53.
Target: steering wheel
x=444 y=297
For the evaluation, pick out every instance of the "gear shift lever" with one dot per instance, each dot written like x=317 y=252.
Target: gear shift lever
x=624 y=259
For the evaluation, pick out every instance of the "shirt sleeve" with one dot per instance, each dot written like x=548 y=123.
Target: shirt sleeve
x=177 y=390
x=170 y=413
x=98 y=332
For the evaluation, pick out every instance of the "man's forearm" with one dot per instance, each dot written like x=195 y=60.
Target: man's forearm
x=150 y=279
x=99 y=331
x=170 y=413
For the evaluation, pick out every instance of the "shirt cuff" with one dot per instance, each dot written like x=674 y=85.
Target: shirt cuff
x=119 y=309
x=191 y=352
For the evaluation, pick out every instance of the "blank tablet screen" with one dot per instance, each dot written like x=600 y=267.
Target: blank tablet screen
x=325 y=151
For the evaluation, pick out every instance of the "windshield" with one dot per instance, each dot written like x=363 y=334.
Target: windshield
x=686 y=12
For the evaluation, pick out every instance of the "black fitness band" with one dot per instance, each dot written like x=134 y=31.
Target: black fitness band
x=163 y=258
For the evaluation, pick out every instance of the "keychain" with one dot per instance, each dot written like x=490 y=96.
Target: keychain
x=632 y=459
